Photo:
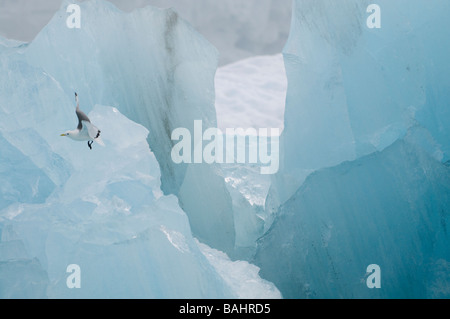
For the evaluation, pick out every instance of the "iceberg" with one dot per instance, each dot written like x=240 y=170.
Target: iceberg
x=364 y=179
x=390 y=208
x=159 y=72
x=110 y=218
x=123 y=218
x=364 y=176
x=355 y=90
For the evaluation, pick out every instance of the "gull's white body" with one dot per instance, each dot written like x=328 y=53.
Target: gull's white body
x=85 y=130
x=88 y=132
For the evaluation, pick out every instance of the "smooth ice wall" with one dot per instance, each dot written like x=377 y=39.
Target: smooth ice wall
x=354 y=90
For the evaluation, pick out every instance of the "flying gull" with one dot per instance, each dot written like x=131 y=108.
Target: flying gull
x=85 y=130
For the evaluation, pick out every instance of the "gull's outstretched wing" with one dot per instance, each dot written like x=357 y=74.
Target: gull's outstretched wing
x=81 y=117
x=80 y=114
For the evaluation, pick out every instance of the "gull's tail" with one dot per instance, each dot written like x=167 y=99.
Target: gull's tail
x=99 y=141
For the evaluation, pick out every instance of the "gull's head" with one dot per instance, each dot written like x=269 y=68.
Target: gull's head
x=72 y=134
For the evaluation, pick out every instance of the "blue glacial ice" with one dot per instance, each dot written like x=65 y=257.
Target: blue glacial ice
x=355 y=90
x=140 y=62
x=364 y=176
x=110 y=218
x=125 y=213
x=389 y=208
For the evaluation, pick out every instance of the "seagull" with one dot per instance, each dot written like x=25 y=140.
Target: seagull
x=85 y=131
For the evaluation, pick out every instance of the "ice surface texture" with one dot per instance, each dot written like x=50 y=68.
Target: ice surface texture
x=389 y=208
x=111 y=219
x=159 y=72
x=112 y=210
x=363 y=178
x=355 y=90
